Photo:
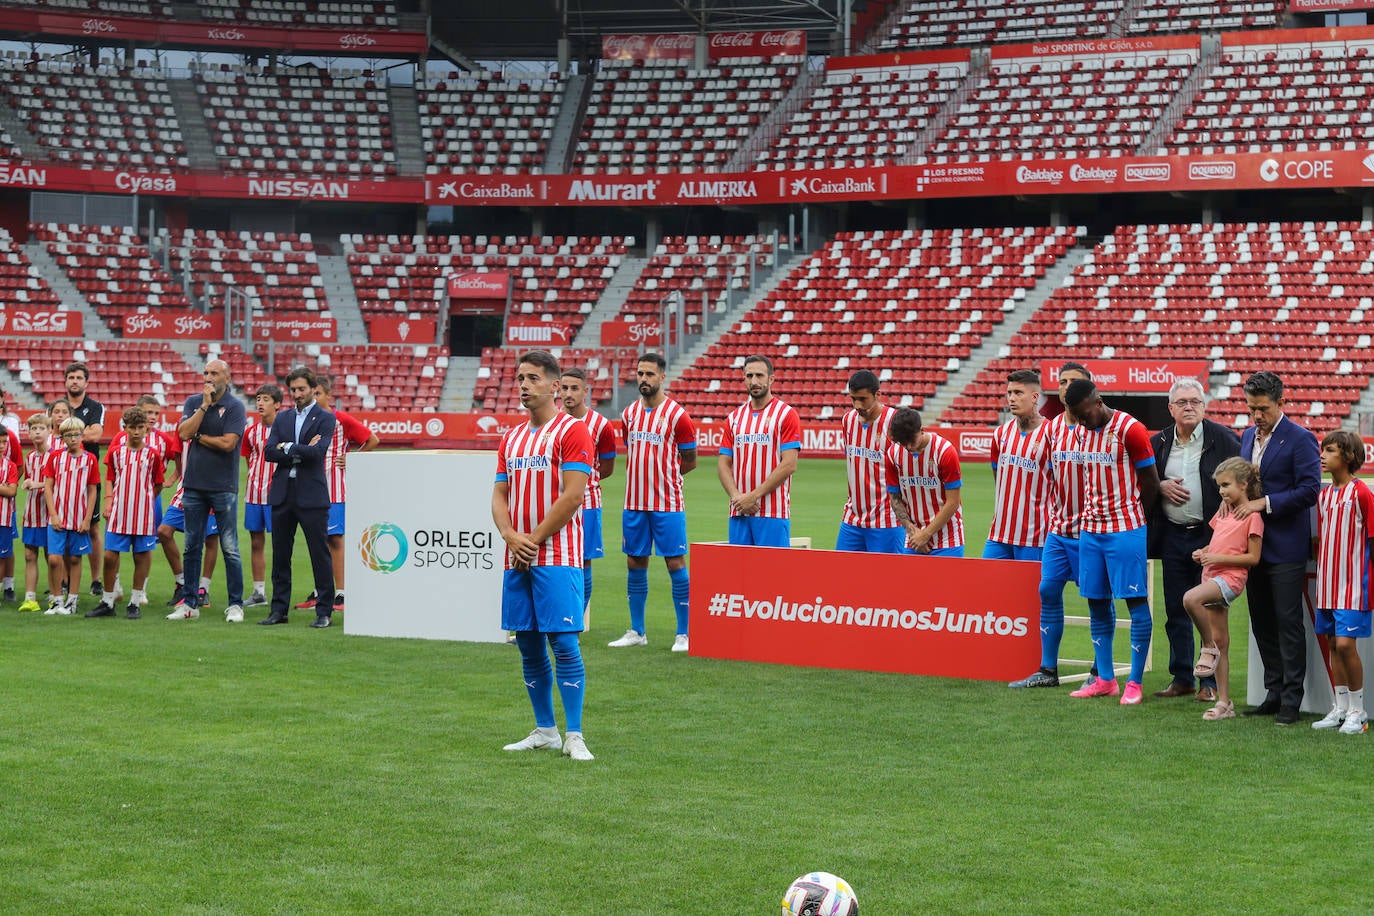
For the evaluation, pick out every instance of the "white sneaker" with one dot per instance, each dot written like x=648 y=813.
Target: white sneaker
x=680 y=643
x=576 y=748
x=631 y=638
x=233 y=614
x=55 y=606
x=184 y=611
x=1355 y=723
x=537 y=740
x=1332 y=719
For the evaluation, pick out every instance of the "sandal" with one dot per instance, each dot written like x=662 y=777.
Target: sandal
x=1207 y=662
x=1223 y=710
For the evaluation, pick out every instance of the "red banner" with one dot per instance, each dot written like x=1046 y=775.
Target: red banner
x=943 y=616
x=493 y=285
x=894 y=59
x=313 y=328
x=1142 y=376
x=1097 y=47
x=525 y=333
x=39 y=322
x=639 y=334
x=425 y=430
x=370 y=41
x=181 y=324
x=402 y=330
x=1328 y=6
x=682 y=45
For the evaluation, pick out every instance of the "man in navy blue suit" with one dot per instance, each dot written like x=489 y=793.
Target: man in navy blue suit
x=299 y=495
x=1291 y=476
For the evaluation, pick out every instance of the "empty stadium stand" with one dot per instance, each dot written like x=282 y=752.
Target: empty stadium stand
x=120 y=371
x=20 y=283
x=371 y=377
x=932 y=24
x=658 y=115
x=279 y=270
x=864 y=116
x=1190 y=16
x=1288 y=297
x=908 y=305
x=302 y=120
x=314 y=13
x=485 y=124
x=605 y=369
x=703 y=269
x=103 y=116
x=155 y=8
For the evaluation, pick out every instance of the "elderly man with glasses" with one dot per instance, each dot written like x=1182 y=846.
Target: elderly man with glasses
x=1187 y=453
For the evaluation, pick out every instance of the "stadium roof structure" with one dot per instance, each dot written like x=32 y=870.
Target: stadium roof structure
x=530 y=29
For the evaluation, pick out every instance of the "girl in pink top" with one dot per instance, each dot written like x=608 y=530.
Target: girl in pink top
x=1226 y=562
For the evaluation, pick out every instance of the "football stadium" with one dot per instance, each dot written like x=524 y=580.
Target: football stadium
x=995 y=278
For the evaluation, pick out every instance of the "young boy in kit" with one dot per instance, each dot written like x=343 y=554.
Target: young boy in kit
x=69 y=482
x=9 y=486
x=1345 y=524
x=35 y=525
x=257 y=514
x=135 y=473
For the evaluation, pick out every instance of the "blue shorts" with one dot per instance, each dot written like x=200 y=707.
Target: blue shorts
x=752 y=531
x=660 y=533
x=592 y=546
x=336 y=519
x=68 y=543
x=157 y=509
x=996 y=550
x=937 y=552
x=543 y=598
x=1350 y=624
x=129 y=543
x=1059 y=559
x=175 y=519
x=257 y=517
x=36 y=537
x=870 y=540
x=6 y=541
x=1113 y=565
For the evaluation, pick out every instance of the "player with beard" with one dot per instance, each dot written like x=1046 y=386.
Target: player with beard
x=868 y=523
x=758 y=459
x=575 y=392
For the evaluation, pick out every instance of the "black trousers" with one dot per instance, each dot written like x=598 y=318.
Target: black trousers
x=1181 y=574
x=314 y=523
x=1275 y=593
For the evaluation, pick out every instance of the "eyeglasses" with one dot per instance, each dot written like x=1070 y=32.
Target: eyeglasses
x=71 y=435
x=1187 y=402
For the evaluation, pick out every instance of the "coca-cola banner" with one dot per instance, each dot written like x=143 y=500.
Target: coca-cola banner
x=371 y=41
x=39 y=322
x=181 y=324
x=279 y=328
x=402 y=330
x=1139 y=376
x=682 y=45
x=525 y=333
x=621 y=333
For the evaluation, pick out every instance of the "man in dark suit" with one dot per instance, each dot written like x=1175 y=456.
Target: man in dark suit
x=299 y=495
x=1291 y=476
x=1187 y=453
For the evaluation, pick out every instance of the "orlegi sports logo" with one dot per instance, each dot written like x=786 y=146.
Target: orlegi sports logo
x=383 y=547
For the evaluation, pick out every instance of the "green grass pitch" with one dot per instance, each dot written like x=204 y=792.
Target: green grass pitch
x=197 y=767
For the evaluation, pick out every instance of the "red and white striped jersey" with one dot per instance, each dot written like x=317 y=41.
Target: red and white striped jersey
x=181 y=484
x=868 y=505
x=9 y=474
x=133 y=475
x=922 y=481
x=71 y=475
x=162 y=444
x=1345 y=523
x=603 y=445
x=348 y=431
x=1111 y=490
x=1066 y=478
x=259 y=468
x=755 y=441
x=35 y=508
x=1021 y=498
x=653 y=468
x=531 y=461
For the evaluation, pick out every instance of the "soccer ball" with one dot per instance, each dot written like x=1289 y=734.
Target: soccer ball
x=820 y=894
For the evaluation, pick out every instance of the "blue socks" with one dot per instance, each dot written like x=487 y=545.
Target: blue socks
x=538 y=675
x=572 y=676
x=637 y=588
x=1102 y=626
x=1142 y=627
x=681 y=591
x=587 y=585
x=1051 y=621
x=539 y=679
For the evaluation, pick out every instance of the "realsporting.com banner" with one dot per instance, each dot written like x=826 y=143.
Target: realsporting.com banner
x=944 y=616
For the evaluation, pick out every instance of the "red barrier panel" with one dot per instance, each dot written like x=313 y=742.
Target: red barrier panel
x=39 y=322
x=402 y=330
x=944 y=616
x=181 y=324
